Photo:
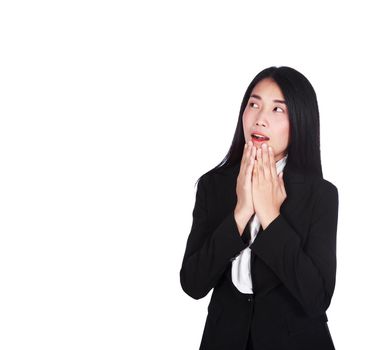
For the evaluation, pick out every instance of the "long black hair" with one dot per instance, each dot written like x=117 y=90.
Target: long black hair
x=304 y=119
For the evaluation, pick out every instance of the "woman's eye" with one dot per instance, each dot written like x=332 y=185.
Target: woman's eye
x=279 y=108
x=252 y=103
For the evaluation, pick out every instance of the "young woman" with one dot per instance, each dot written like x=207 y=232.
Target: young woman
x=264 y=226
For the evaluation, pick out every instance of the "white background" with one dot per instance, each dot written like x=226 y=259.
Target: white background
x=111 y=110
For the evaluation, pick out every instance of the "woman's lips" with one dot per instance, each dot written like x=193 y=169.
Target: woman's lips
x=259 y=141
x=259 y=137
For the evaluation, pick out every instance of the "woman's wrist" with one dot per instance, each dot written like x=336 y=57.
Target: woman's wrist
x=241 y=218
x=267 y=219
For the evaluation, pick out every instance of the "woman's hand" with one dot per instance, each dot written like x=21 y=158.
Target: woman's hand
x=268 y=187
x=245 y=207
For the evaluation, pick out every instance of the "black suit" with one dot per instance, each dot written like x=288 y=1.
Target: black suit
x=293 y=265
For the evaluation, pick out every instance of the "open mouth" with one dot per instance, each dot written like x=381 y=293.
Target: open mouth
x=259 y=138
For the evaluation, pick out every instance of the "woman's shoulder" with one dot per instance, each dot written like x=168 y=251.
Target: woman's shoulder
x=322 y=186
x=219 y=176
x=311 y=181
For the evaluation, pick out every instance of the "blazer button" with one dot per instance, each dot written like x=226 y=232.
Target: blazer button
x=250 y=299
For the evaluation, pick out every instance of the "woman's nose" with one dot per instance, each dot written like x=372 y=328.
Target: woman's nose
x=261 y=119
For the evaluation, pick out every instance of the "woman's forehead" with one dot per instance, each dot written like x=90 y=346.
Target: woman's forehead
x=267 y=89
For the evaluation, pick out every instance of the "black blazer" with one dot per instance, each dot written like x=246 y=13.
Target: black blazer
x=293 y=265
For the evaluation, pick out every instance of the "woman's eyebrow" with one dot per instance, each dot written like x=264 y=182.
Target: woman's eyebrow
x=260 y=98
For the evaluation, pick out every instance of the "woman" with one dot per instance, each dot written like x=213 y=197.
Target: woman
x=264 y=226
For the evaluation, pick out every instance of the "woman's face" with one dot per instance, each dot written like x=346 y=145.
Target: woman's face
x=266 y=113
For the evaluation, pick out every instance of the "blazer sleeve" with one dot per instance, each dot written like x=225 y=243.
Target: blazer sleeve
x=208 y=251
x=309 y=271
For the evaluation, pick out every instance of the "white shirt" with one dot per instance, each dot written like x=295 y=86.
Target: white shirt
x=241 y=267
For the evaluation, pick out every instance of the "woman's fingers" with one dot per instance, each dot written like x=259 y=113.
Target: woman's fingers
x=259 y=165
x=273 y=168
x=260 y=162
x=250 y=166
x=265 y=162
x=245 y=156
